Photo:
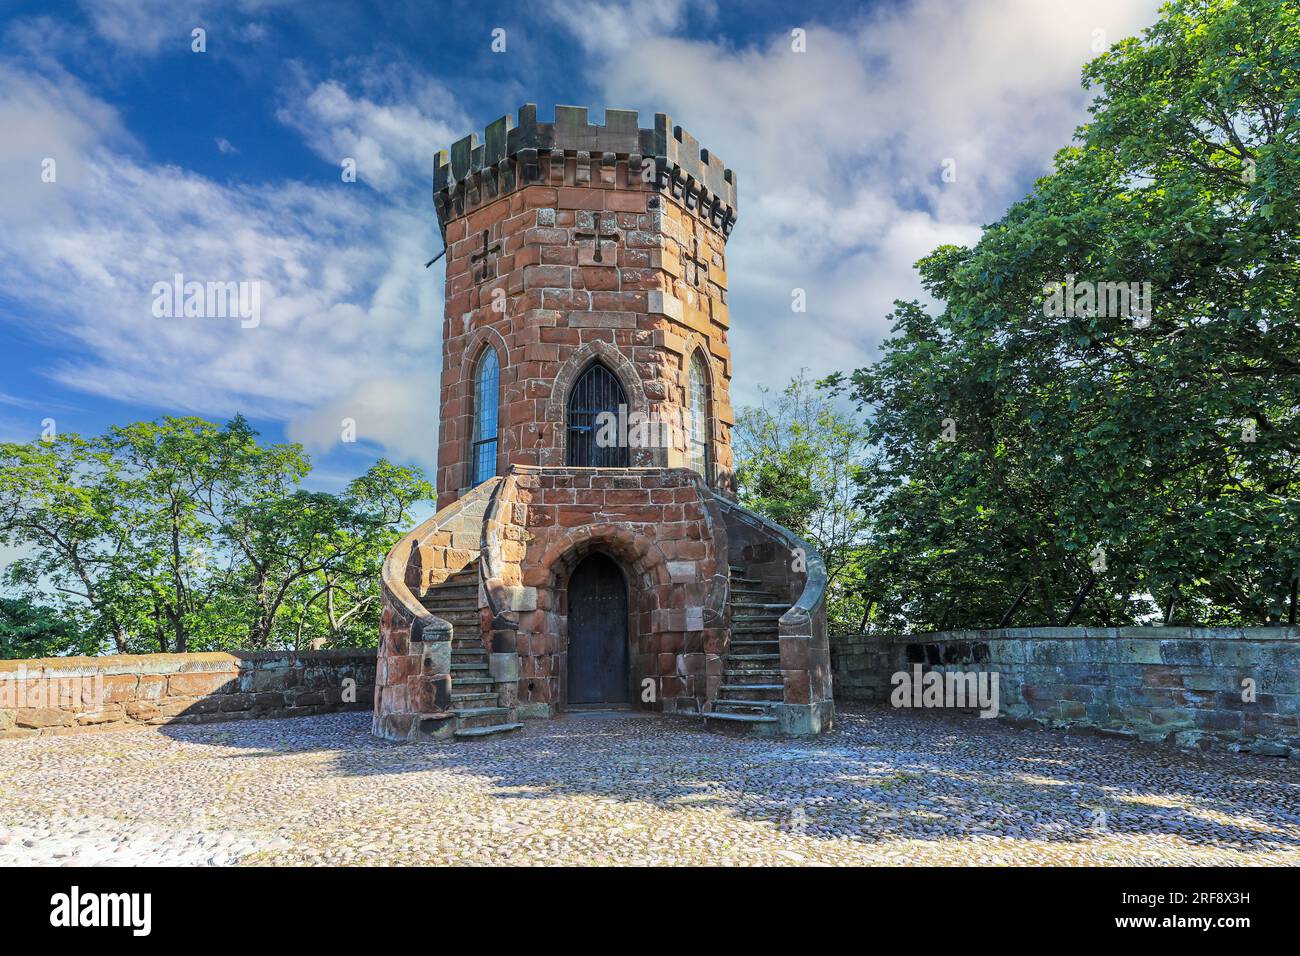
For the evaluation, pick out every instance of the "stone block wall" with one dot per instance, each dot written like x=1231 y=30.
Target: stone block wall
x=664 y=529
x=1181 y=685
x=572 y=257
x=64 y=695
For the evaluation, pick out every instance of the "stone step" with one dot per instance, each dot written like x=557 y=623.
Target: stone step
x=465 y=668
x=737 y=688
x=753 y=662
x=466 y=590
x=451 y=602
x=741 y=718
x=486 y=731
x=469 y=718
x=749 y=647
x=764 y=605
x=471 y=684
x=456 y=615
x=467 y=626
x=745 y=706
x=750 y=696
x=472 y=698
x=737 y=676
x=452 y=613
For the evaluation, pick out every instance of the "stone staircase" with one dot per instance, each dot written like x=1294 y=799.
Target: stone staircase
x=474 y=699
x=752 y=689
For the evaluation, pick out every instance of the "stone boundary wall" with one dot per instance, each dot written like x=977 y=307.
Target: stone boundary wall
x=62 y=695
x=1177 y=685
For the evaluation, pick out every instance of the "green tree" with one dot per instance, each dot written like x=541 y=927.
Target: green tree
x=1147 y=459
x=182 y=534
x=798 y=462
x=29 y=630
x=335 y=543
x=60 y=500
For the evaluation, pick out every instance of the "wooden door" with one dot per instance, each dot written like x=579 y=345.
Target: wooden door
x=598 y=671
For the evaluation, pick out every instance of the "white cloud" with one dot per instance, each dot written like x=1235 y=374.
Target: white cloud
x=391 y=127
x=839 y=150
x=144 y=26
x=150 y=27
x=609 y=28
x=349 y=316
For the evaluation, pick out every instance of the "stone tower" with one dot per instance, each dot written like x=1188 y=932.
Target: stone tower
x=588 y=550
x=568 y=242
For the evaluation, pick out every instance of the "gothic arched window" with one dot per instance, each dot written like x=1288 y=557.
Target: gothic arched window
x=486 y=379
x=699 y=404
x=589 y=444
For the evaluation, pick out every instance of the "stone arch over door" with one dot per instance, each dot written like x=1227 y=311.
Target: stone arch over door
x=557 y=405
x=644 y=572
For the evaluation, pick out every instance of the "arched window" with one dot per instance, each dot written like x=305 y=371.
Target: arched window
x=699 y=400
x=484 y=451
x=591 y=442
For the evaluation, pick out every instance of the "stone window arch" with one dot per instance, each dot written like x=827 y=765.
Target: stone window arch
x=487 y=414
x=700 y=407
x=596 y=394
x=574 y=366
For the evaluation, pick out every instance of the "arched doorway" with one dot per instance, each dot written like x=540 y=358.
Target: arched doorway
x=598 y=652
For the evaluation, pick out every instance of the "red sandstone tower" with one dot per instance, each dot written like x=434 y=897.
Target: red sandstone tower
x=588 y=551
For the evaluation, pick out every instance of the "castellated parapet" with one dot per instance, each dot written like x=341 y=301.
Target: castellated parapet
x=472 y=173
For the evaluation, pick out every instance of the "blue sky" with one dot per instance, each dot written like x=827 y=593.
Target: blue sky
x=225 y=165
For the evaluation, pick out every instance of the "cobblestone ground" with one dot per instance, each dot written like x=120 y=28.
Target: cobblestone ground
x=886 y=787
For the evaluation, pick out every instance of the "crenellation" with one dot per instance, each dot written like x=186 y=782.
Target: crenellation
x=512 y=154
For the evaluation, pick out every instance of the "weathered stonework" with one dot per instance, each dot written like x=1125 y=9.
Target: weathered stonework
x=663 y=526
x=62 y=695
x=567 y=255
x=1178 y=685
x=570 y=245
